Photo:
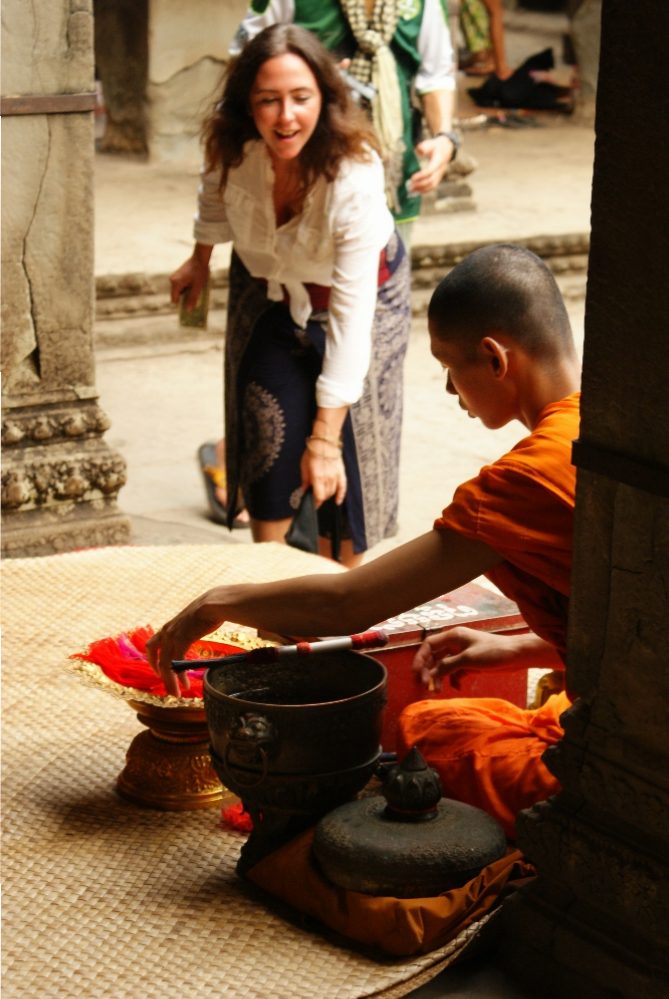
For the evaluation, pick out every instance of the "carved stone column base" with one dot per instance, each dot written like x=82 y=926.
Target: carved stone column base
x=26 y=536
x=60 y=480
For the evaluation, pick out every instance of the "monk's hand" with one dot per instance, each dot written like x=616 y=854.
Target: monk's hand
x=173 y=640
x=459 y=651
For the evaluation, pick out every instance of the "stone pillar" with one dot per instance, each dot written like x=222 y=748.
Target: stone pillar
x=161 y=64
x=585 y=35
x=59 y=479
x=188 y=52
x=594 y=924
x=121 y=63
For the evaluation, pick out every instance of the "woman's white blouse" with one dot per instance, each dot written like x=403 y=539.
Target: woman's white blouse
x=335 y=241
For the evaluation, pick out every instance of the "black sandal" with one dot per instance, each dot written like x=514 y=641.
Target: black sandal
x=215 y=478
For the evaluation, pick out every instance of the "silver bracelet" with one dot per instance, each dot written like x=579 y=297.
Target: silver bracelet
x=454 y=138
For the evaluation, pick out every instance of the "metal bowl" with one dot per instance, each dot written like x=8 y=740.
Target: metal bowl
x=295 y=738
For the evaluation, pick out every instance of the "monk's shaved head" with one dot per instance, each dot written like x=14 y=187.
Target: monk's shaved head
x=502 y=289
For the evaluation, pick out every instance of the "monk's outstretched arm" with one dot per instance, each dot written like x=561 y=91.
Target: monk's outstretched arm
x=330 y=604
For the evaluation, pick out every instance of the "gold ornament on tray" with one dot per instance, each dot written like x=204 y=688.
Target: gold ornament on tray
x=167 y=766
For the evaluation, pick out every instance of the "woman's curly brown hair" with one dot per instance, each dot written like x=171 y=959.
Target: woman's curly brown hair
x=343 y=130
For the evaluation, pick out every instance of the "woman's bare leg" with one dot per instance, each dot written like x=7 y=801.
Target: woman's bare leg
x=275 y=530
x=270 y=530
x=347 y=556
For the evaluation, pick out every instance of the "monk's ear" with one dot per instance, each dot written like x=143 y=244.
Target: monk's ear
x=497 y=354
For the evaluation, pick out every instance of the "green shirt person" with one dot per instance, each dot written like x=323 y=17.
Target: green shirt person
x=412 y=38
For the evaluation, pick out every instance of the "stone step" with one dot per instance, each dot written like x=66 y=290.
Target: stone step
x=134 y=309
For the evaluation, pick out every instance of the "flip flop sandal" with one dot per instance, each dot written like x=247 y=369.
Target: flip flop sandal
x=215 y=478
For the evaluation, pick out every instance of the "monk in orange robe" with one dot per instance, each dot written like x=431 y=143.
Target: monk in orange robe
x=500 y=331
x=486 y=750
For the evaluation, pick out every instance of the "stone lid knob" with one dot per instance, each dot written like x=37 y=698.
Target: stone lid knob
x=412 y=789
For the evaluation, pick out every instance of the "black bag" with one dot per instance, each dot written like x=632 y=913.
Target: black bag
x=522 y=91
x=303 y=531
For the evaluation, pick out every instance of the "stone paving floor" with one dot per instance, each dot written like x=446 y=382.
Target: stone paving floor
x=163 y=401
x=530 y=182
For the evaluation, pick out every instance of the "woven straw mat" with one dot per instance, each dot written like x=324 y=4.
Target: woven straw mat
x=105 y=898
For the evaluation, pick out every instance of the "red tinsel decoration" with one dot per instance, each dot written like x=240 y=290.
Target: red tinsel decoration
x=123 y=659
x=234 y=817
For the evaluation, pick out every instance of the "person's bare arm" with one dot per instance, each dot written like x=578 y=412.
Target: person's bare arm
x=439 y=150
x=322 y=464
x=192 y=275
x=330 y=604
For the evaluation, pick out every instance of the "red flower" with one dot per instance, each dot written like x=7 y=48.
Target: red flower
x=123 y=659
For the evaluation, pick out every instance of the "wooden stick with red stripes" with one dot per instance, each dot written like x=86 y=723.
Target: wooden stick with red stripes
x=375 y=639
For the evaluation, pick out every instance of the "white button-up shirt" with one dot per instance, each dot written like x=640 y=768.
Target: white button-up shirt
x=335 y=241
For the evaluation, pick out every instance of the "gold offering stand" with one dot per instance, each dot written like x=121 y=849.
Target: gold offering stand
x=168 y=765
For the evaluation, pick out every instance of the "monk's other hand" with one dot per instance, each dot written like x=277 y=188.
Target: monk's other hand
x=458 y=651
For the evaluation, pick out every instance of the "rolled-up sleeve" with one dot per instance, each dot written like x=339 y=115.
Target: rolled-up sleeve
x=210 y=222
x=362 y=228
x=272 y=12
x=437 y=66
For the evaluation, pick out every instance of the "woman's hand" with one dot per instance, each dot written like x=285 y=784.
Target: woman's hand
x=459 y=651
x=203 y=615
x=322 y=468
x=193 y=275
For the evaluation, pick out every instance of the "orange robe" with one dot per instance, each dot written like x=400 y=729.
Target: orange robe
x=486 y=750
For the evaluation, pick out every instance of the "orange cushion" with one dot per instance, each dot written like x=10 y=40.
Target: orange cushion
x=398 y=926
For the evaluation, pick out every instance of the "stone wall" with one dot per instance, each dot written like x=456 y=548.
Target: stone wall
x=188 y=50
x=161 y=65
x=59 y=479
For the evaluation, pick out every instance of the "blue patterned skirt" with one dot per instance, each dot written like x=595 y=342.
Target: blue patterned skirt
x=271 y=372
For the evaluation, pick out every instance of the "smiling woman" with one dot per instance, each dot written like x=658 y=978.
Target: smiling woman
x=319 y=312
x=285 y=104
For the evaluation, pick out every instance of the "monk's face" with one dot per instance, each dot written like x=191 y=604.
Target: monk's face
x=473 y=378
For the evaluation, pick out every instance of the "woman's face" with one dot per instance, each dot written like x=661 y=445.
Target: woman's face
x=285 y=104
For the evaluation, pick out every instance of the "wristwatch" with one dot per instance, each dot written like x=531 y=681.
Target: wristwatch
x=455 y=139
